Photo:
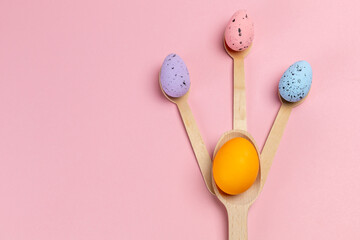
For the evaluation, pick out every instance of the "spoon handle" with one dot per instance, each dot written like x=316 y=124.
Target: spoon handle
x=273 y=140
x=197 y=143
x=239 y=114
x=237 y=218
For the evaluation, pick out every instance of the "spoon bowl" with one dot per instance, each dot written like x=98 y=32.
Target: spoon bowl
x=249 y=196
x=175 y=100
x=237 y=54
x=291 y=104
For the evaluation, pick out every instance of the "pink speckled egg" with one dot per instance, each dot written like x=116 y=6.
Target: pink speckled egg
x=239 y=32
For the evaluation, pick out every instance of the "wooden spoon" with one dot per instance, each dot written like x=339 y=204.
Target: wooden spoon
x=273 y=140
x=239 y=116
x=197 y=143
x=237 y=206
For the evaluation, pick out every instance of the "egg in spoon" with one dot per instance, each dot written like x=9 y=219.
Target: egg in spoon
x=241 y=192
x=238 y=38
x=174 y=82
x=294 y=87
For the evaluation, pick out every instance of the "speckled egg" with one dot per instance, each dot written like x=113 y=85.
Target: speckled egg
x=174 y=76
x=239 y=32
x=296 y=81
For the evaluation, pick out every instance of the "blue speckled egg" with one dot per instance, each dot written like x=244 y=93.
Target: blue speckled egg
x=295 y=83
x=174 y=76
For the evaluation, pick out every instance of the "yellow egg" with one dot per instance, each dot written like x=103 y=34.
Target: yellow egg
x=236 y=166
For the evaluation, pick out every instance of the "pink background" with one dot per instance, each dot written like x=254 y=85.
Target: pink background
x=90 y=149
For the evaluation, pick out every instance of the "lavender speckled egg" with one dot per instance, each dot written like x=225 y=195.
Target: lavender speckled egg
x=174 y=76
x=239 y=32
x=296 y=81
